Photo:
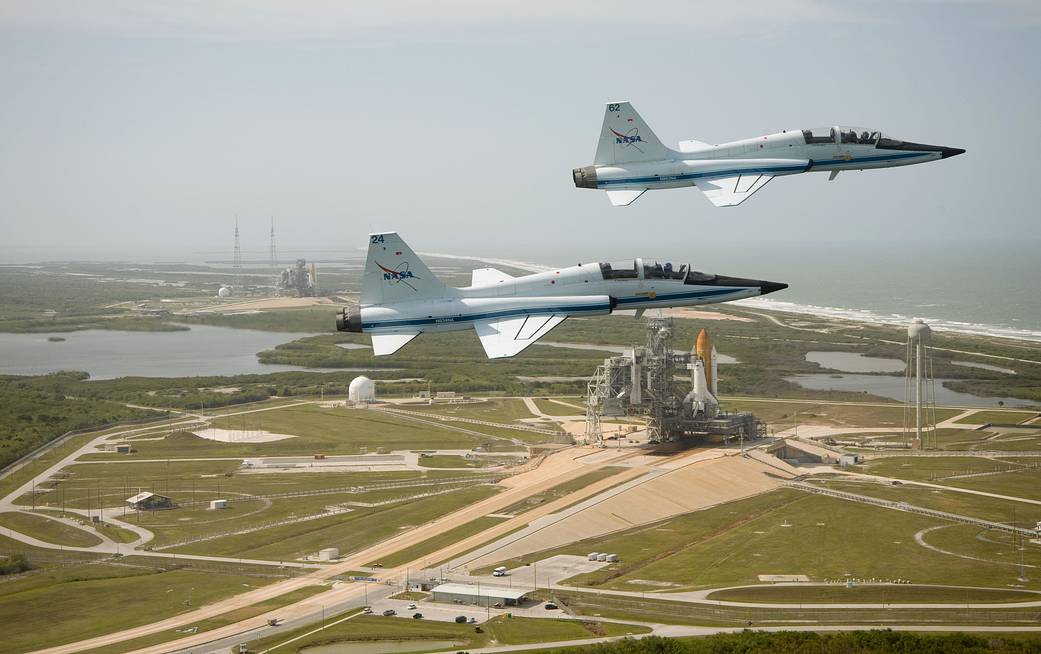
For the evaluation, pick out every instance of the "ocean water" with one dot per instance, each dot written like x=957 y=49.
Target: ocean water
x=987 y=287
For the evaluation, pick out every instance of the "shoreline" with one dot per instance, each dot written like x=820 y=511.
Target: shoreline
x=838 y=313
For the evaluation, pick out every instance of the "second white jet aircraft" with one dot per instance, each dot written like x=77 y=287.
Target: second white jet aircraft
x=401 y=298
x=630 y=159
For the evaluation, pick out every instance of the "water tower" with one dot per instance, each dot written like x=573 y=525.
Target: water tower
x=920 y=394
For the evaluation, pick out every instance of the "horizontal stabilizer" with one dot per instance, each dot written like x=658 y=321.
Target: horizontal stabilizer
x=506 y=338
x=390 y=343
x=732 y=191
x=484 y=276
x=624 y=198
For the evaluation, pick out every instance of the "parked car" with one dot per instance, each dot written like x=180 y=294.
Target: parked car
x=550 y=606
x=417 y=616
x=367 y=610
x=460 y=619
x=411 y=607
x=389 y=612
x=473 y=620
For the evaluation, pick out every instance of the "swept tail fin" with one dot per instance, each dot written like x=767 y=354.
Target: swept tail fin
x=393 y=273
x=625 y=138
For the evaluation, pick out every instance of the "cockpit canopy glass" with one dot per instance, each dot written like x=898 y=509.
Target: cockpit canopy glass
x=619 y=270
x=849 y=135
x=664 y=271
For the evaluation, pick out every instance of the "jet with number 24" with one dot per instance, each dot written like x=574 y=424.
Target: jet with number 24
x=401 y=298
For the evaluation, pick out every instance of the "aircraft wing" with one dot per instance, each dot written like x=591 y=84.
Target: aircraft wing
x=391 y=343
x=482 y=276
x=732 y=191
x=505 y=338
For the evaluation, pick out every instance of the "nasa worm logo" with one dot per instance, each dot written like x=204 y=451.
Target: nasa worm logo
x=398 y=275
x=629 y=139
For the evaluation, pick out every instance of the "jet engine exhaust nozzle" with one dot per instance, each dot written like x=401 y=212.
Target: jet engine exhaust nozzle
x=585 y=177
x=349 y=320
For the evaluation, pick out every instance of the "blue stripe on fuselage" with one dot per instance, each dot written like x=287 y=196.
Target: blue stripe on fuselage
x=509 y=313
x=766 y=170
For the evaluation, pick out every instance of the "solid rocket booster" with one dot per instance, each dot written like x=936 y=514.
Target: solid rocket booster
x=713 y=373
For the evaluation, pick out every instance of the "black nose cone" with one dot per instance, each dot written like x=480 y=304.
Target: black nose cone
x=770 y=287
x=950 y=152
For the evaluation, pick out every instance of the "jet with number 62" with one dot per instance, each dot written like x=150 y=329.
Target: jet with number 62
x=630 y=159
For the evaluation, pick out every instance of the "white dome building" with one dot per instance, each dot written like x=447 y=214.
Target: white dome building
x=225 y=291
x=361 y=391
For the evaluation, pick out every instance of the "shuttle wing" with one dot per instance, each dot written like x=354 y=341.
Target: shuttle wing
x=732 y=191
x=390 y=343
x=505 y=338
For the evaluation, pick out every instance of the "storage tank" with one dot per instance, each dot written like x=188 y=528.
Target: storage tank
x=218 y=504
x=362 y=390
x=612 y=558
x=601 y=557
x=592 y=555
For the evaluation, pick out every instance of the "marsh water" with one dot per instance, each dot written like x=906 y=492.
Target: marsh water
x=894 y=387
x=105 y=354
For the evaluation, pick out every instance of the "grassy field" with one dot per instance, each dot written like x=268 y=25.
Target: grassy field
x=47 y=530
x=349 y=531
x=1018 y=483
x=435 y=543
x=994 y=546
x=783 y=415
x=977 y=506
x=734 y=543
x=552 y=408
x=504 y=631
x=997 y=417
x=71 y=603
x=871 y=594
x=923 y=468
x=224 y=619
x=497 y=410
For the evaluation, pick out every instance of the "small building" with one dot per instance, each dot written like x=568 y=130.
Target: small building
x=149 y=502
x=328 y=554
x=218 y=504
x=123 y=448
x=849 y=459
x=362 y=390
x=479 y=594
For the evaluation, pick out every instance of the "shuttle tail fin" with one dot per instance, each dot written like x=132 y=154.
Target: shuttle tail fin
x=393 y=273
x=625 y=138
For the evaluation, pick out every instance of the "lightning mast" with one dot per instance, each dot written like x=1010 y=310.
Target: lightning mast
x=272 y=256
x=236 y=263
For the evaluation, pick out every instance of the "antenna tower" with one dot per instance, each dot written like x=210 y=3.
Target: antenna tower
x=272 y=255
x=236 y=263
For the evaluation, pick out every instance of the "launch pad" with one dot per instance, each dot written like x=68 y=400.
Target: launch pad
x=644 y=383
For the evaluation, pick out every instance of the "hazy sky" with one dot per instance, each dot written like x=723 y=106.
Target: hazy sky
x=135 y=128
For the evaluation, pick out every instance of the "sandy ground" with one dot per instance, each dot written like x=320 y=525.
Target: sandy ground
x=692 y=314
x=697 y=481
x=240 y=435
x=261 y=304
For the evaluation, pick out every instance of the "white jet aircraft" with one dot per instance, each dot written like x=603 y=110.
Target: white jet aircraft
x=630 y=159
x=401 y=298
